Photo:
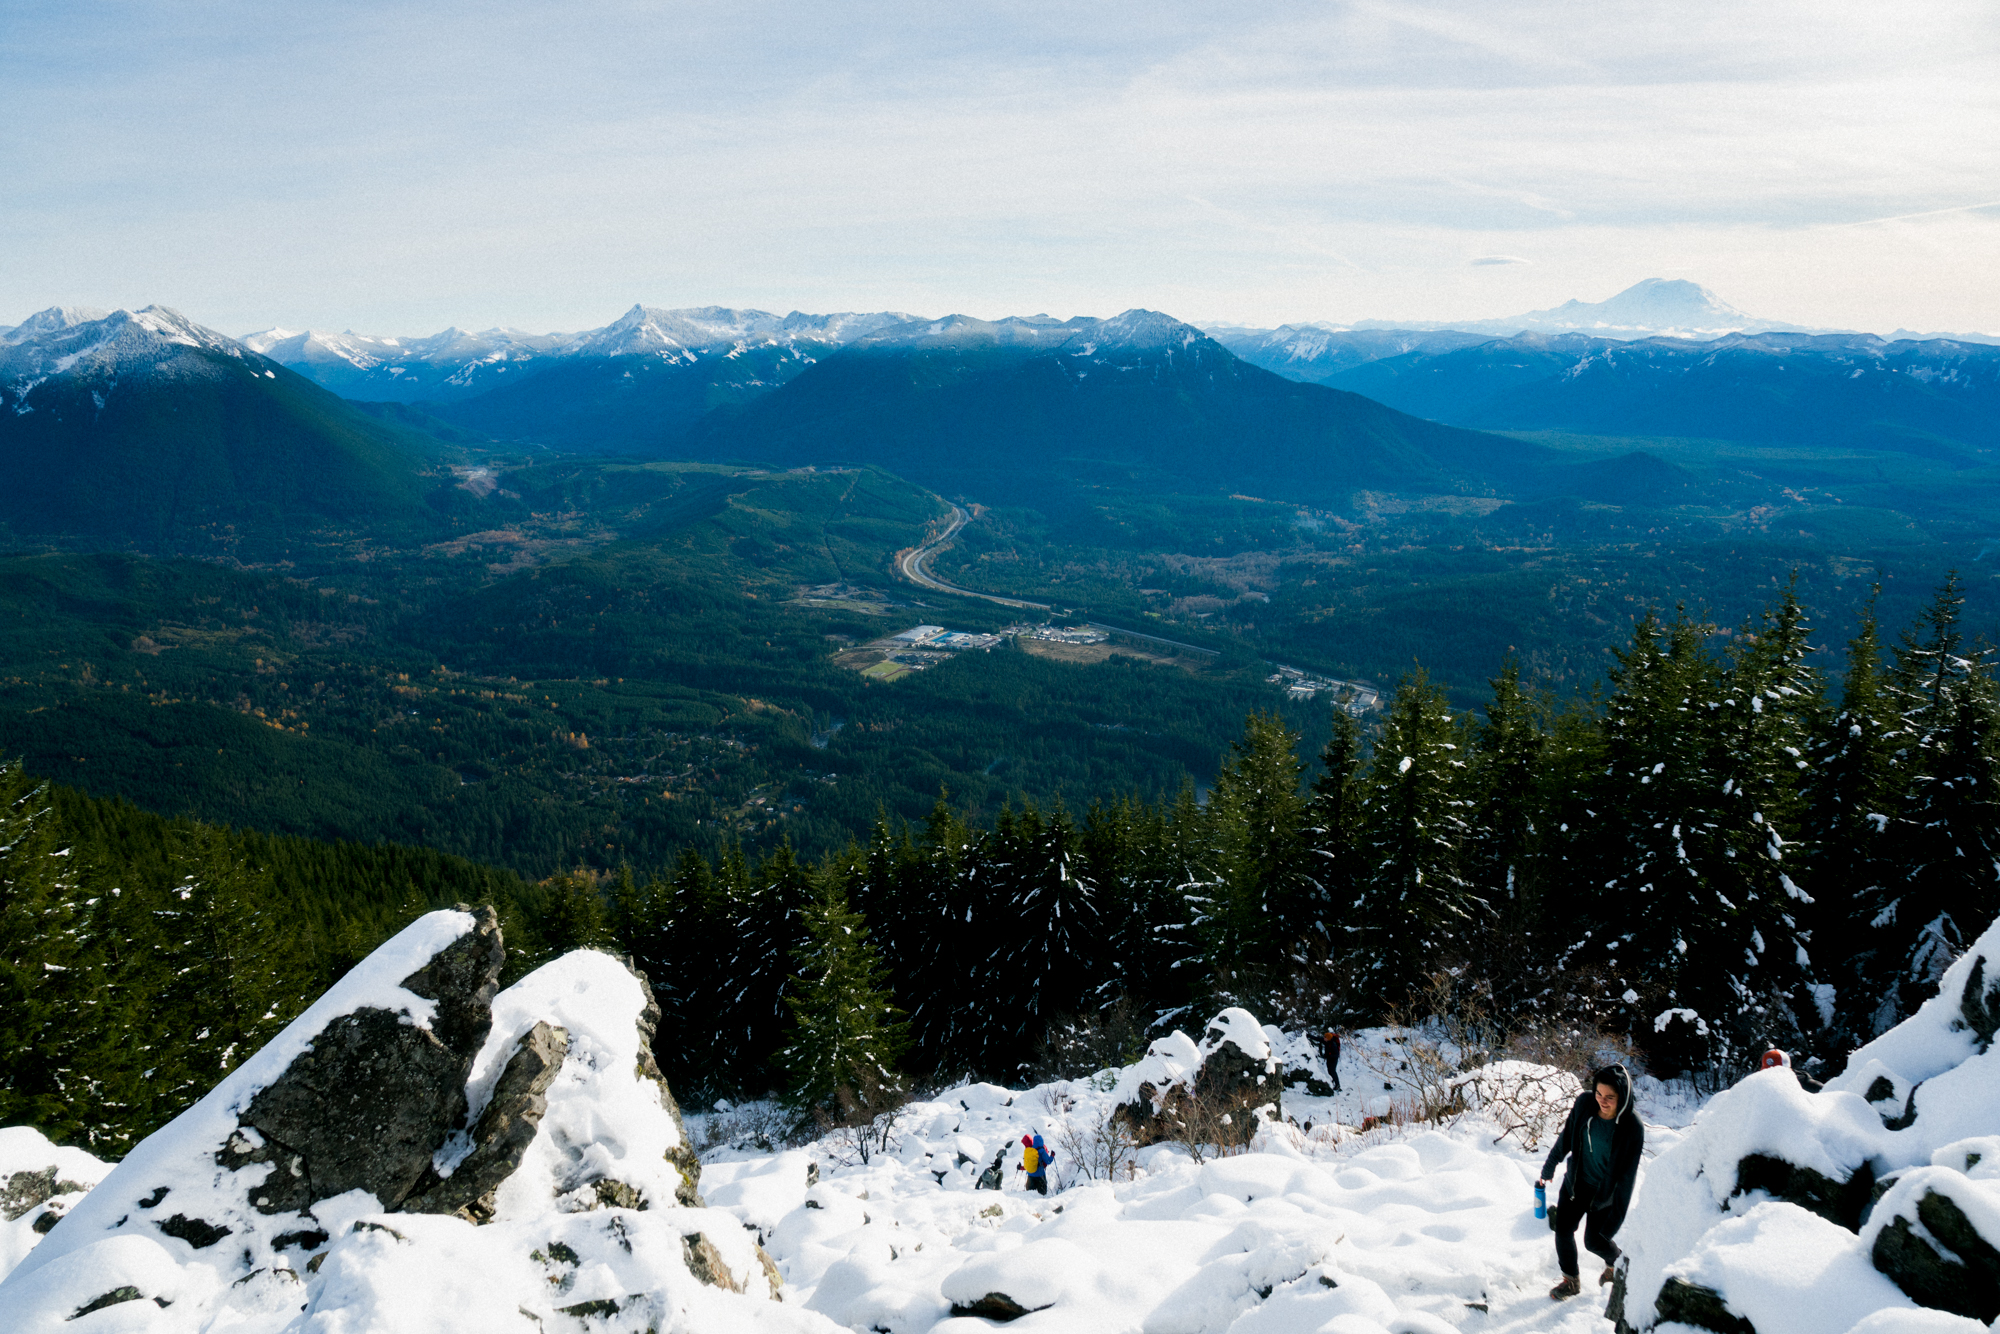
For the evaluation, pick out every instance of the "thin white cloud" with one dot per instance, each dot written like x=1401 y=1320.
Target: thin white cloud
x=1927 y=213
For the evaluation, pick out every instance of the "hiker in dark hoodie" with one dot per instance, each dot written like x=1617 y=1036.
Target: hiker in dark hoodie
x=1602 y=1140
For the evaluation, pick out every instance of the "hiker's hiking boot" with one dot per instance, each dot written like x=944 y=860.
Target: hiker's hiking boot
x=1610 y=1272
x=1566 y=1289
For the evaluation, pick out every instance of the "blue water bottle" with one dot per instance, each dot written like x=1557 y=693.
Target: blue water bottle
x=1541 y=1201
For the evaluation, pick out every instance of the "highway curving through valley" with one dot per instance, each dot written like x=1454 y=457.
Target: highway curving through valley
x=912 y=566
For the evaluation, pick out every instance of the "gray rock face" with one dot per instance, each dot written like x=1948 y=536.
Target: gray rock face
x=505 y=1130
x=463 y=978
x=706 y=1263
x=371 y=1101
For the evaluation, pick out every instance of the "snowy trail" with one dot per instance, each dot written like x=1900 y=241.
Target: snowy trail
x=1418 y=1228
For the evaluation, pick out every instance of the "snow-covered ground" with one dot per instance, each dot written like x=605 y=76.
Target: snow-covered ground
x=1767 y=1208
x=1327 y=1228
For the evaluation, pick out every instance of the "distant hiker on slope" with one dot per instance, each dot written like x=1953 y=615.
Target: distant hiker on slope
x=1602 y=1140
x=1035 y=1160
x=1329 y=1049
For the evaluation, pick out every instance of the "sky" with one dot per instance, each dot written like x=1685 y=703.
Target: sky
x=399 y=167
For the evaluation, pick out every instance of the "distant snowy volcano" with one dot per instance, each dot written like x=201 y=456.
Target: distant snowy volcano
x=1669 y=306
x=1657 y=305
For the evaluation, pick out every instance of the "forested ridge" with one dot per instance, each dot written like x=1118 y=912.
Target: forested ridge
x=1726 y=848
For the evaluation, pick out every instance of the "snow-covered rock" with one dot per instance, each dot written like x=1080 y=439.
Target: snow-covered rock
x=1774 y=1204
x=39 y=1182
x=311 y=1191
x=1223 y=1087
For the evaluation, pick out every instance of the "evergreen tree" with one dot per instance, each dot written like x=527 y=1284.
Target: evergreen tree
x=1270 y=895
x=1768 y=699
x=1503 y=844
x=1416 y=908
x=230 y=960
x=47 y=976
x=937 y=940
x=1047 y=966
x=846 y=1034
x=573 y=915
x=688 y=941
x=1851 y=797
x=763 y=931
x=1651 y=921
x=1334 y=825
x=1946 y=839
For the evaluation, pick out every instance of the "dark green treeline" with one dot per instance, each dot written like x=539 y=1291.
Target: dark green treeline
x=1727 y=848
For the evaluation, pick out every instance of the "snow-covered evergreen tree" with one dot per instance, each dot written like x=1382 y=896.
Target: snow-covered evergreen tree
x=1416 y=905
x=1766 y=703
x=762 y=932
x=1851 y=792
x=48 y=979
x=1270 y=894
x=1503 y=846
x=1649 y=917
x=1946 y=838
x=1048 y=965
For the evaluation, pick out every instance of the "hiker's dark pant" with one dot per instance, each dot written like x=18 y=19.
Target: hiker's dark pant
x=1039 y=1183
x=1570 y=1211
x=1332 y=1059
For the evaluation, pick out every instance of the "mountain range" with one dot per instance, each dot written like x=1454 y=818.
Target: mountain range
x=1939 y=398
x=181 y=425
x=1007 y=409
x=149 y=429
x=146 y=427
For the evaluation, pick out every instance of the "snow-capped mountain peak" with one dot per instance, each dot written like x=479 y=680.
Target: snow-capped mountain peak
x=53 y=320
x=1144 y=330
x=1659 y=305
x=63 y=341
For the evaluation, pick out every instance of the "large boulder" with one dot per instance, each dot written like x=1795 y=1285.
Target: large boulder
x=1217 y=1091
x=418 y=1151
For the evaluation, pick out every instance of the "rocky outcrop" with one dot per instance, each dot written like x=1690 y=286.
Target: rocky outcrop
x=24 y=1191
x=413 y=1086
x=1887 y=1181
x=1214 y=1093
x=993 y=1306
x=370 y=1102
